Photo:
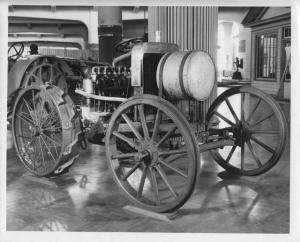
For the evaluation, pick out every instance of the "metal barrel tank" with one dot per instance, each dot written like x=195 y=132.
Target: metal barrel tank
x=186 y=74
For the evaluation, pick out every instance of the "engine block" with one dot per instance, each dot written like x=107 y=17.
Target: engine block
x=112 y=81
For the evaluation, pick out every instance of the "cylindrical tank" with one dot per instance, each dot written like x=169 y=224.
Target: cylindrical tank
x=186 y=74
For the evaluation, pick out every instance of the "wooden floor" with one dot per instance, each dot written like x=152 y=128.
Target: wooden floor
x=87 y=199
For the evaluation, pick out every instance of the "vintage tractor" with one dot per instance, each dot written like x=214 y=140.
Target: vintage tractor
x=145 y=109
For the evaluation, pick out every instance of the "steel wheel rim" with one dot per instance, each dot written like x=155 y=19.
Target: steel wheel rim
x=250 y=134
x=35 y=126
x=155 y=203
x=44 y=71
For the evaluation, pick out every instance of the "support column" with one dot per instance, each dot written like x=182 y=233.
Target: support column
x=109 y=31
x=192 y=28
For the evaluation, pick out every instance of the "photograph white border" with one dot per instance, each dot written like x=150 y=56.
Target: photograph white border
x=294 y=234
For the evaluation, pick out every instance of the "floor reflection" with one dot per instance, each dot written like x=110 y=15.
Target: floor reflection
x=240 y=197
x=49 y=224
x=93 y=202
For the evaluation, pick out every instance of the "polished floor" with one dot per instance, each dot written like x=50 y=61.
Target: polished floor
x=87 y=199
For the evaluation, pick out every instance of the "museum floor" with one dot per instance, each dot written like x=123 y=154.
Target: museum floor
x=87 y=199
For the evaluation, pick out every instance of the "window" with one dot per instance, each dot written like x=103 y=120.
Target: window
x=266 y=56
x=287 y=33
x=286 y=53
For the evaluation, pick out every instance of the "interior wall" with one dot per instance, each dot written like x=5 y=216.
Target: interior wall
x=134 y=28
x=235 y=15
x=245 y=36
x=88 y=16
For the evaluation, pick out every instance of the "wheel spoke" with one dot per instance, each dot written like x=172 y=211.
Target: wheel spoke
x=254 y=109
x=130 y=124
x=230 y=154
x=242 y=156
x=30 y=110
x=43 y=122
x=30 y=155
x=41 y=148
x=38 y=80
x=142 y=182
x=124 y=138
x=27 y=116
x=56 y=75
x=24 y=137
x=231 y=110
x=52 y=140
x=40 y=73
x=171 y=159
x=125 y=155
x=177 y=170
x=32 y=140
x=49 y=151
x=156 y=125
x=172 y=152
x=242 y=106
x=25 y=119
x=41 y=110
x=143 y=121
x=165 y=179
x=34 y=108
x=51 y=74
x=167 y=135
x=263 y=145
x=129 y=173
x=225 y=119
x=262 y=120
x=265 y=131
x=253 y=154
x=54 y=144
x=52 y=129
x=154 y=184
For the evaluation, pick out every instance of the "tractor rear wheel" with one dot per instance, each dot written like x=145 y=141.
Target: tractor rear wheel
x=45 y=130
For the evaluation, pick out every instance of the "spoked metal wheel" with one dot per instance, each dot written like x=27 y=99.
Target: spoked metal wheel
x=256 y=123
x=159 y=171
x=46 y=70
x=45 y=130
x=127 y=45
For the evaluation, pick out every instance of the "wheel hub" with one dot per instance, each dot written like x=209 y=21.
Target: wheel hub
x=36 y=131
x=145 y=157
x=148 y=154
x=242 y=133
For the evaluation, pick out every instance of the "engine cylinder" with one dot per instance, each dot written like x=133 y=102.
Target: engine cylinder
x=88 y=85
x=186 y=74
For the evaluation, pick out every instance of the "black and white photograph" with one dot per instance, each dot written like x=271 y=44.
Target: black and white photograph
x=139 y=119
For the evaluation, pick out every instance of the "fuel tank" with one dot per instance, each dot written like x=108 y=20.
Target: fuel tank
x=186 y=75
